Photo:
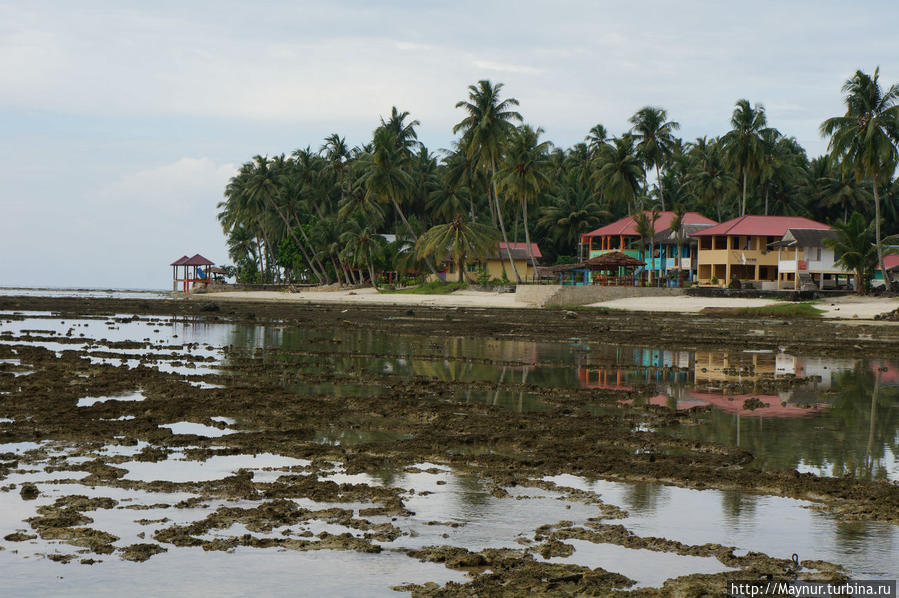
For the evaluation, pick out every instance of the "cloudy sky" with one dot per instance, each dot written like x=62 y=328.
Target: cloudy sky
x=121 y=121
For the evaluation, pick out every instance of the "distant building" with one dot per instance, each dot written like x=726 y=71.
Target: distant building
x=804 y=260
x=740 y=248
x=622 y=236
x=498 y=260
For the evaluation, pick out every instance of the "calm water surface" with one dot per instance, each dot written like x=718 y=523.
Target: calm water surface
x=842 y=419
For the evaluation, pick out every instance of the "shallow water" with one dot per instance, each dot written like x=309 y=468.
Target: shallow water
x=831 y=423
x=774 y=525
x=84 y=293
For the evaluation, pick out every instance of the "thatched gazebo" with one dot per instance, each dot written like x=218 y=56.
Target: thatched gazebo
x=612 y=268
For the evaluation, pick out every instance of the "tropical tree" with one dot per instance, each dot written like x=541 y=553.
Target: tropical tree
x=854 y=248
x=524 y=172
x=656 y=140
x=573 y=210
x=362 y=244
x=645 y=223
x=619 y=172
x=708 y=177
x=460 y=240
x=743 y=143
x=485 y=128
x=386 y=178
x=596 y=139
x=680 y=236
x=866 y=136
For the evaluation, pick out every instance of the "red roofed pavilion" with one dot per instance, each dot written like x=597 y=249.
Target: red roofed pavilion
x=191 y=271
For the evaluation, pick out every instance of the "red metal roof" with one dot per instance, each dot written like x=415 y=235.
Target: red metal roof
x=197 y=260
x=890 y=261
x=759 y=226
x=180 y=261
x=628 y=227
x=522 y=246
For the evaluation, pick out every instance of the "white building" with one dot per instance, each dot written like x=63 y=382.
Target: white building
x=804 y=262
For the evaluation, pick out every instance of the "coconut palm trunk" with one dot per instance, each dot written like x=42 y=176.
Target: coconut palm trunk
x=659 y=183
x=877 y=241
x=296 y=240
x=371 y=270
x=502 y=226
x=527 y=239
x=743 y=204
x=320 y=272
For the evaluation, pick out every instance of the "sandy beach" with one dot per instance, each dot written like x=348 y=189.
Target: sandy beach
x=848 y=307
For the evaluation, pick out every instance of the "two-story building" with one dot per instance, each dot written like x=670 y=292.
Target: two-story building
x=740 y=249
x=622 y=236
x=805 y=261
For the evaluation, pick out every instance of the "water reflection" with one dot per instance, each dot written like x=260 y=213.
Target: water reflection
x=800 y=412
x=850 y=430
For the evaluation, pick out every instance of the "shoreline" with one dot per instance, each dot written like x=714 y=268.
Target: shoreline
x=659 y=329
x=850 y=307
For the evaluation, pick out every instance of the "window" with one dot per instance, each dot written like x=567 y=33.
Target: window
x=472 y=267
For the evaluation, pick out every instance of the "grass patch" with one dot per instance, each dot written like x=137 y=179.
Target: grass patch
x=803 y=309
x=436 y=287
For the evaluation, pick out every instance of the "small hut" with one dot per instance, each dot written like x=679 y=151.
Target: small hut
x=191 y=272
x=612 y=268
x=605 y=269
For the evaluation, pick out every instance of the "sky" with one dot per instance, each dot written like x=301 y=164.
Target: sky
x=122 y=121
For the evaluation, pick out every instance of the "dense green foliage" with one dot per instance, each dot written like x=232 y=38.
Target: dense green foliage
x=320 y=216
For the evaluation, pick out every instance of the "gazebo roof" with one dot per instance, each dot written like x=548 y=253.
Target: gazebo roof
x=180 y=261
x=197 y=260
x=614 y=259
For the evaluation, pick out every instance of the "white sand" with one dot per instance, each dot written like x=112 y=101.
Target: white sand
x=370 y=296
x=849 y=307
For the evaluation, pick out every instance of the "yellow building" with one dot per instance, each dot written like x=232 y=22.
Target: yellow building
x=739 y=248
x=494 y=263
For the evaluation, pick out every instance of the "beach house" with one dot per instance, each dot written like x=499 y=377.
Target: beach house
x=741 y=249
x=805 y=262
x=622 y=236
x=495 y=263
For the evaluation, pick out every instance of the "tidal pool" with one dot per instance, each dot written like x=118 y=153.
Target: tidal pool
x=837 y=417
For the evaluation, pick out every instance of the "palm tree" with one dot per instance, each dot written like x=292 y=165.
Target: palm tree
x=708 y=178
x=677 y=231
x=866 y=136
x=362 y=244
x=831 y=186
x=656 y=140
x=524 y=173
x=387 y=178
x=460 y=240
x=596 y=139
x=404 y=134
x=743 y=142
x=854 y=248
x=573 y=210
x=619 y=171
x=645 y=222
x=485 y=128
